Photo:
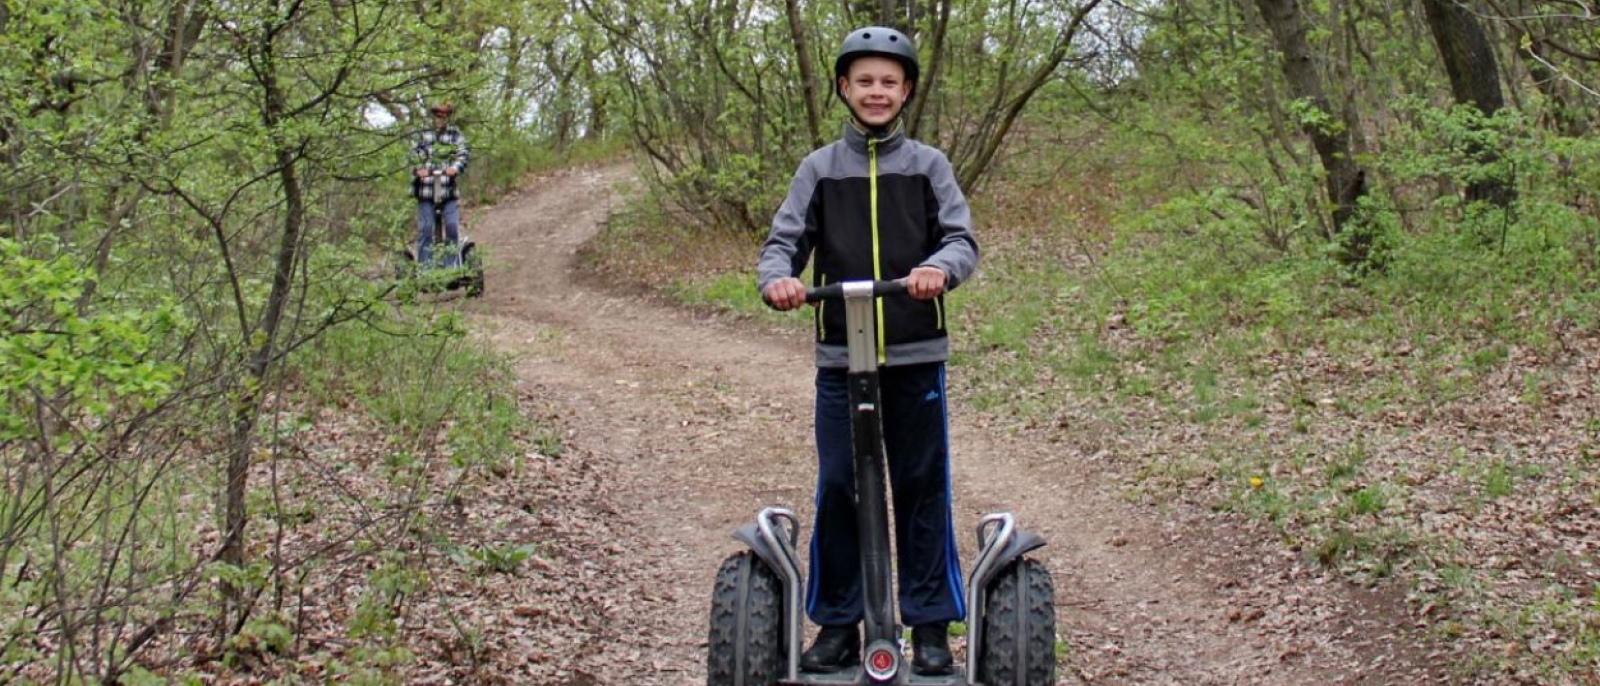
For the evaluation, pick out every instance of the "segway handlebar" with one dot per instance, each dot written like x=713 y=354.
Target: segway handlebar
x=835 y=291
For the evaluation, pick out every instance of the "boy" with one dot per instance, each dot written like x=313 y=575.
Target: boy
x=878 y=205
x=441 y=147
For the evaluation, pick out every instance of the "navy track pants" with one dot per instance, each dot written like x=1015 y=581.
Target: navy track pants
x=916 y=438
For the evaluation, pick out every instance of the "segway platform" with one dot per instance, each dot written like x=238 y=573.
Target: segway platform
x=855 y=676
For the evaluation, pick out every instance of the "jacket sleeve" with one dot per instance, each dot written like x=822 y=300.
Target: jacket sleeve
x=788 y=245
x=957 y=251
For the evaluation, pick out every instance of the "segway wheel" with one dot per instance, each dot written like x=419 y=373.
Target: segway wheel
x=474 y=264
x=746 y=641
x=1019 y=628
x=404 y=264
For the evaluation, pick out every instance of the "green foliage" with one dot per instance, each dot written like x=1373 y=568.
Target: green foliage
x=90 y=363
x=419 y=374
x=139 y=676
x=1013 y=325
x=265 y=634
x=1498 y=481
x=1365 y=501
x=503 y=157
x=500 y=559
x=179 y=220
x=1445 y=143
x=1062 y=650
x=388 y=586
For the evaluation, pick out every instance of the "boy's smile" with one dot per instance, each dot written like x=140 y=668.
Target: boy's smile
x=876 y=89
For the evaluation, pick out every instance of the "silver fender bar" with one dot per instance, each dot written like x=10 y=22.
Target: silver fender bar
x=994 y=535
x=768 y=523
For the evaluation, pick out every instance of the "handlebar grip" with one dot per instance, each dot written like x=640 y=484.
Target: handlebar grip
x=835 y=291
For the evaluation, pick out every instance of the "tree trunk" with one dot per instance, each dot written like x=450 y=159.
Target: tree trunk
x=1346 y=182
x=564 y=122
x=184 y=23
x=516 y=50
x=598 y=96
x=1475 y=79
x=930 y=75
x=261 y=340
x=891 y=13
x=808 y=72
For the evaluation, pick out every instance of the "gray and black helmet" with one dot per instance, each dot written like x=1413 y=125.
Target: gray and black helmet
x=881 y=41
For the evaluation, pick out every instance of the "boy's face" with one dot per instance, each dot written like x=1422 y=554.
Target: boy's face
x=876 y=89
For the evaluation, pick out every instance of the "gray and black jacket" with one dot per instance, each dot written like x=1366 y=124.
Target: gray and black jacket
x=874 y=208
x=436 y=149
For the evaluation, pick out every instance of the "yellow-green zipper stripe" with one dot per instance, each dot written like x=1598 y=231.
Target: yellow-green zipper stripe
x=877 y=262
x=822 y=324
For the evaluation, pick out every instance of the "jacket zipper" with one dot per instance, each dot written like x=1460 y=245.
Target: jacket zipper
x=877 y=260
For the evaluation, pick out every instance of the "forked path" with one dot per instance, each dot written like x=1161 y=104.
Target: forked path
x=683 y=425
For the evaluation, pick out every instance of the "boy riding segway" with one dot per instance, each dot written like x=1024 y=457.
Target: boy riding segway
x=887 y=231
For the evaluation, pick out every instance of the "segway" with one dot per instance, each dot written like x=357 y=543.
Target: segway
x=470 y=276
x=756 y=611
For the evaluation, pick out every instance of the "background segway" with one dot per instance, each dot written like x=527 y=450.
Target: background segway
x=473 y=262
x=405 y=260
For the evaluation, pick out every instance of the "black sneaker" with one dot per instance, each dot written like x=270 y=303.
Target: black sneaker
x=836 y=648
x=930 y=649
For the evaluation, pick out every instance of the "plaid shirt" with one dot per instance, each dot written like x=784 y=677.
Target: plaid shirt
x=436 y=149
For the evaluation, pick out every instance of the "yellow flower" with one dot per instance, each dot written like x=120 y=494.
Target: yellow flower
x=1256 y=482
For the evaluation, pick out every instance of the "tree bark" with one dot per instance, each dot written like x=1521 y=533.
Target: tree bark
x=1475 y=80
x=930 y=75
x=1330 y=136
x=185 y=19
x=598 y=100
x=808 y=72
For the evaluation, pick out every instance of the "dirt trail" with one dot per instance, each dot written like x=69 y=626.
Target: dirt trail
x=684 y=425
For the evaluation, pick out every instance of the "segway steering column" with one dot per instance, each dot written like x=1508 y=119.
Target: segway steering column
x=882 y=657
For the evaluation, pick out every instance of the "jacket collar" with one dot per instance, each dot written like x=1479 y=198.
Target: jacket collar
x=888 y=138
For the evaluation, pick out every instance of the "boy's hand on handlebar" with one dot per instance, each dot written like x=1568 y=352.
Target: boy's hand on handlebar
x=450 y=171
x=785 y=294
x=422 y=172
x=925 y=283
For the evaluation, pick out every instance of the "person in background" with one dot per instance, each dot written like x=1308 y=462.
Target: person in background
x=439 y=150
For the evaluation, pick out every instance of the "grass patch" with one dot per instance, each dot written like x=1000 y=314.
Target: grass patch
x=732 y=292
x=429 y=384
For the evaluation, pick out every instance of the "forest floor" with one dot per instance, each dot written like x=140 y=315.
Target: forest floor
x=676 y=426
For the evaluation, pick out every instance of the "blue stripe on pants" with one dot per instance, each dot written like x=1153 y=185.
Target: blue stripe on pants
x=916 y=436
